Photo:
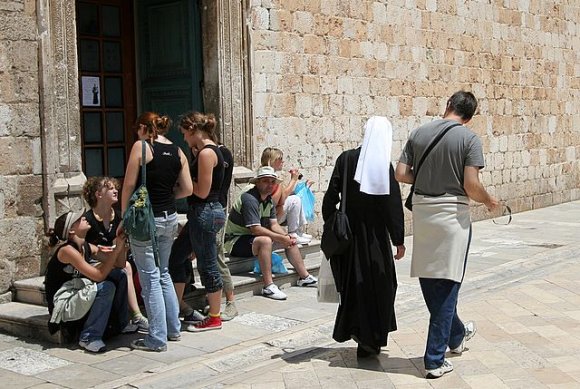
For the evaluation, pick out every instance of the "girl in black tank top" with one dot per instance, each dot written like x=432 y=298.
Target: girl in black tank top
x=206 y=216
x=71 y=260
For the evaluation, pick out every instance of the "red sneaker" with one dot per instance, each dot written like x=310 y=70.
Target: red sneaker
x=207 y=324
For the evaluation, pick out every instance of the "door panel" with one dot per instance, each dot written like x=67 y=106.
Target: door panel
x=170 y=62
x=107 y=84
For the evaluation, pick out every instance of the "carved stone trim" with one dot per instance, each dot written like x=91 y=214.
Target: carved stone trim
x=227 y=80
x=59 y=102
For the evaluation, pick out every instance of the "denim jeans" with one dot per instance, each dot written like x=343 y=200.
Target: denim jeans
x=156 y=285
x=205 y=221
x=445 y=327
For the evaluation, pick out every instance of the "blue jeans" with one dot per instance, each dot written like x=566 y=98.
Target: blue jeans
x=156 y=285
x=445 y=327
x=205 y=221
x=109 y=312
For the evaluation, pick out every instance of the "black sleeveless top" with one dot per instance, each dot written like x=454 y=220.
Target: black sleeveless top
x=99 y=234
x=217 y=178
x=162 y=173
x=57 y=273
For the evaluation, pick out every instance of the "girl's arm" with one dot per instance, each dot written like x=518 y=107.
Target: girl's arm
x=206 y=161
x=184 y=186
x=72 y=256
x=131 y=174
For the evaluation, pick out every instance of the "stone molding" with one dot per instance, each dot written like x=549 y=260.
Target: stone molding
x=59 y=106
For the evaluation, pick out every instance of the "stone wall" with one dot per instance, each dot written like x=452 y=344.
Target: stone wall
x=21 y=191
x=322 y=67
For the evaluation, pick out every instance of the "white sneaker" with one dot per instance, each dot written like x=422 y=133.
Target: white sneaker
x=305 y=235
x=299 y=239
x=309 y=280
x=445 y=368
x=470 y=330
x=272 y=291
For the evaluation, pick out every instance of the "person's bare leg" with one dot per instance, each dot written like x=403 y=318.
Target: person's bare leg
x=295 y=258
x=131 y=293
x=262 y=248
x=215 y=301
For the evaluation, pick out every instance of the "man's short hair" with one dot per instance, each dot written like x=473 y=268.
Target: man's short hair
x=463 y=104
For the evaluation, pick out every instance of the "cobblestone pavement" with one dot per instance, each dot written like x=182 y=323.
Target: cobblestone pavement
x=522 y=288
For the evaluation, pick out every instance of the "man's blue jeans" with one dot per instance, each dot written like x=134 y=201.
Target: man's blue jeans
x=445 y=327
x=205 y=221
x=156 y=285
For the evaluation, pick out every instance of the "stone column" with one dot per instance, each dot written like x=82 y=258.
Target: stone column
x=227 y=81
x=59 y=108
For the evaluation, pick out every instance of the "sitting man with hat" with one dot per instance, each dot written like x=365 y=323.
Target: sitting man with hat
x=253 y=230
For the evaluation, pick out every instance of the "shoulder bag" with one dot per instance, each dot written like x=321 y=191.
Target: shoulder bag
x=409 y=201
x=336 y=233
x=138 y=220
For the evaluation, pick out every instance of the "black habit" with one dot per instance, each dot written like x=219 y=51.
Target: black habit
x=365 y=276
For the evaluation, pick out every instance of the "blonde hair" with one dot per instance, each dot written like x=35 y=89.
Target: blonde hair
x=270 y=155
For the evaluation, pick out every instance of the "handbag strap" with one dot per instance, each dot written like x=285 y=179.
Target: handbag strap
x=429 y=148
x=343 y=193
x=143 y=161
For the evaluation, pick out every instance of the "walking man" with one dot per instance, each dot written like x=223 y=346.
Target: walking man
x=448 y=178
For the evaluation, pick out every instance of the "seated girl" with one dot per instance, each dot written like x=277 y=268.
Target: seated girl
x=101 y=193
x=107 y=308
x=288 y=206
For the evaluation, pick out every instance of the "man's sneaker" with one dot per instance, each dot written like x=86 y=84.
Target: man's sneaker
x=208 y=324
x=470 y=330
x=271 y=291
x=310 y=280
x=305 y=235
x=139 y=344
x=142 y=323
x=193 y=318
x=94 y=346
x=299 y=239
x=130 y=328
x=230 y=311
x=445 y=368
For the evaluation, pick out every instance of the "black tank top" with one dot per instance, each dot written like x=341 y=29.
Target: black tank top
x=217 y=178
x=99 y=234
x=57 y=273
x=162 y=173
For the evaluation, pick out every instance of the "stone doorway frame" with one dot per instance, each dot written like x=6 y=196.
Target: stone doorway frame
x=226 y=92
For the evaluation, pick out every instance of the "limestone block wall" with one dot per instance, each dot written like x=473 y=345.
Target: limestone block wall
x=21 y=190
x=320 y=68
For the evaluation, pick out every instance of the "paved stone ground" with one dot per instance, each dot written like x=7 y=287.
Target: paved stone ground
x=522 y=288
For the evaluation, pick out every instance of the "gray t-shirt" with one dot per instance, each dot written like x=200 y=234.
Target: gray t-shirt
x=442 y=170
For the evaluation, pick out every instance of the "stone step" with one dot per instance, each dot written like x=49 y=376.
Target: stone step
x=31 y=290
x=28 y=317
x=27 y=321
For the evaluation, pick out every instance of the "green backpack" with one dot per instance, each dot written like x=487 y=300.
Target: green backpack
x=138 y=220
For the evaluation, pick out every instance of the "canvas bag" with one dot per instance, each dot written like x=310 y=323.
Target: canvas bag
x=336 y=232
x=409 y=201
x=326 y=288
x=138 y=220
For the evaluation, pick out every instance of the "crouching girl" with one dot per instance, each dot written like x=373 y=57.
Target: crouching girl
x=81 y=293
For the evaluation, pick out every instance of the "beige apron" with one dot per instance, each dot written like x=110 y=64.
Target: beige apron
x=441 y=233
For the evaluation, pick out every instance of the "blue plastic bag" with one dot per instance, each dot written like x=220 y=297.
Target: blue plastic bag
x=303 y=191
x=278 y=266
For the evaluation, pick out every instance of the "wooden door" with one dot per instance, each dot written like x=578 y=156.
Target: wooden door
x=105 y=42
x=170 y=59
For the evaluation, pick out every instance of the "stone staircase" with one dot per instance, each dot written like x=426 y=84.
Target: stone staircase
x=27 y=316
